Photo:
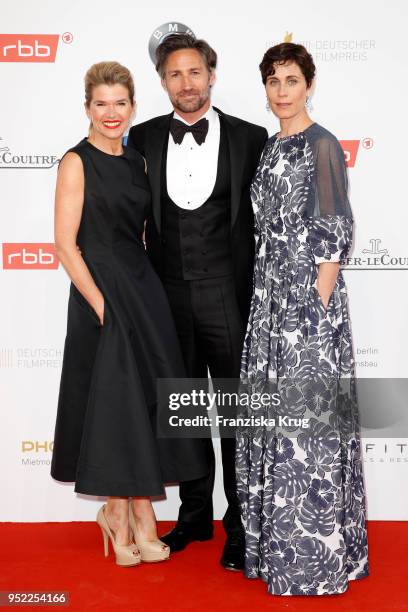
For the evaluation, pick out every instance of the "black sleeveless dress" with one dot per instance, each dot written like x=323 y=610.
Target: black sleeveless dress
x=105 y=435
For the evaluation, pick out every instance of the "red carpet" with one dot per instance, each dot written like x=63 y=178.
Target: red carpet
x=69 y=557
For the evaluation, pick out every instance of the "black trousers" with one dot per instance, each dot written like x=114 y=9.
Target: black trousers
x=211 y=333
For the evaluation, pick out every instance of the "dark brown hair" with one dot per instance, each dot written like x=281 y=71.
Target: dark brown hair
x=288 y=52
x=175 y=42
x=108 y=73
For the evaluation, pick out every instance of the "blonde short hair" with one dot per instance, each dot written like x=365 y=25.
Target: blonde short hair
x=108 y=73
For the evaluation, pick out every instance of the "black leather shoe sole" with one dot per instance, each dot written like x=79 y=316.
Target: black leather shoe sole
x=232 y=567
x=178 y=539
x=233 y=555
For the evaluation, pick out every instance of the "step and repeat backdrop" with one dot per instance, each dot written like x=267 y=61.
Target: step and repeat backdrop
x=360 y=95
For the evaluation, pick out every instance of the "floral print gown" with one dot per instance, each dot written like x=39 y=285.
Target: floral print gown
x=301 y=489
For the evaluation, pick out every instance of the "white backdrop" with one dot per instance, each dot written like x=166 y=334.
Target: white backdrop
x=360 y=96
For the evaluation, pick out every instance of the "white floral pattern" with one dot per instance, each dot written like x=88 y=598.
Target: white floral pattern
x=301 y=489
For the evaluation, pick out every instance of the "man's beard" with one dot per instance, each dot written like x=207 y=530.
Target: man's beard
x=191 y=106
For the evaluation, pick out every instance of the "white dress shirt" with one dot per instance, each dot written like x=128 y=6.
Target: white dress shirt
x=192 y=168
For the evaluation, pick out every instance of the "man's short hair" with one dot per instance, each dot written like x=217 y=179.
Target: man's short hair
x=175 y=42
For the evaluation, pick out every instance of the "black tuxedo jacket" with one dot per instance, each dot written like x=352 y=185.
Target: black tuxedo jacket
x=246 y=142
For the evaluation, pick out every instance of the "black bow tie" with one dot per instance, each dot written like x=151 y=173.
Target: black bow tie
x=199 y=130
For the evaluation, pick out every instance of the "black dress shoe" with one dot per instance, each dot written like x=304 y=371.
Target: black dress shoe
x=233 y=555
x=181 y=535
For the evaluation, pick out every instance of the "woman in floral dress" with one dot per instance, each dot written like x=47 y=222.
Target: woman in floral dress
x=299 y=478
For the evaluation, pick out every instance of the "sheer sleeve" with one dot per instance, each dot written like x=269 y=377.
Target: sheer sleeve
x=328 y=211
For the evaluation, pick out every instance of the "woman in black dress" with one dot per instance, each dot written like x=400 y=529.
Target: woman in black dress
x=120 y=335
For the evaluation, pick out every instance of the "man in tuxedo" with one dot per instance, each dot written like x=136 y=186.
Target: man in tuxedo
x=200 y=163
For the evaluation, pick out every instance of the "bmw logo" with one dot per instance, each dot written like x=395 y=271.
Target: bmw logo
x=162 y=32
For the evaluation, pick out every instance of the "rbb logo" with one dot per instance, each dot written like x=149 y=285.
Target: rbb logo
x=350 y=148
x=28 y=47
x=29 y=256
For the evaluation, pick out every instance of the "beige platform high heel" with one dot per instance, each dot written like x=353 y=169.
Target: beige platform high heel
x=126 y=556
x=150 y=550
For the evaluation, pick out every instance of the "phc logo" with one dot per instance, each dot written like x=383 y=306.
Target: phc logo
x=29 y=256
x=31 y=47
x=37 y=446
x=351 y=147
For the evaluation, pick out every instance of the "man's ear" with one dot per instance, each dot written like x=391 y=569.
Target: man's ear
x=163 y=82
x=213 y=78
